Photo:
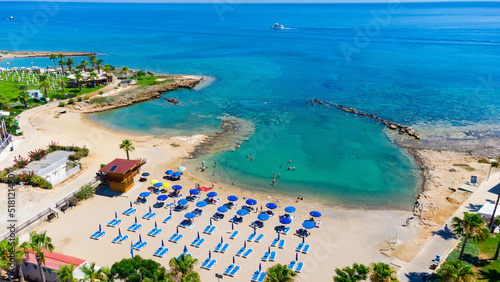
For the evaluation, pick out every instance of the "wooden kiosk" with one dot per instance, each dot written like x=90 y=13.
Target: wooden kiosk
x=121 y=173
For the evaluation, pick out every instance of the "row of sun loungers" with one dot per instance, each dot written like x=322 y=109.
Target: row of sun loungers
x=208 y=264
x=134 y=227
x=231 y=270
x=155 y=232
x=115 y=222
x=258 y=276
x=98 y=235
x=120 y=239
x=297 y=267
x=175 y=238
x=129 y=211
x=243 y=252
x=271 y=256
x=209 y=229
x=280 y=243
x=197 y=242
x=139 y=245
x=161 y=252
x=302 y=248
x=221 y=248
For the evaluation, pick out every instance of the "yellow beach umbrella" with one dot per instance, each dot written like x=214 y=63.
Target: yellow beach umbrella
x=166 y=185
x=154 y=181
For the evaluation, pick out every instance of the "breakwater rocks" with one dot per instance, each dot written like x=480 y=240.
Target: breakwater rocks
x=172 y=101
x=402 y=129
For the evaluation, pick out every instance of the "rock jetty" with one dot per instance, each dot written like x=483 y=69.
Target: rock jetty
x=402 y=129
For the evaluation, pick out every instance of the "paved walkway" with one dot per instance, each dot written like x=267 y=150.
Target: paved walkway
x=444 y=240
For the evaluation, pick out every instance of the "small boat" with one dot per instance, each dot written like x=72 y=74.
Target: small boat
x=277 y=26
x=11 y=18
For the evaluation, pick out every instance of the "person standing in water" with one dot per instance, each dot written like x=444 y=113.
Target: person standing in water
x=251 y=158
x=215 y=163
x=274 y=181
x=279 y=175
x=274 y=175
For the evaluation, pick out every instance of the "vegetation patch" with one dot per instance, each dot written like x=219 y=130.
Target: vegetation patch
x=174 y=145
x=465 y=166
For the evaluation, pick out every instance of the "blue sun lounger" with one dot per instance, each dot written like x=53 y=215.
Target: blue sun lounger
x=129 y=211
x=114 y=222
x=211 y=264
x=136 y=244
x=262 y=276
x=169 y=205
x=177 y=238
x=259 y=238
x=247 y=253
x=266 y=256
x=151 y=216
x=137 y=227
x=207 y=228
x=299 y=267
x=281 y=244
x=234 y=234
x=161 y=252
x=95 y=234
x=224 y=249
x=234 y=271
x=199 y=243
x=272 y=257
x=228 y=269
x=299 y=247
x=141 y=246
x=167 y=219
x=291 y=266
x=250 y=239
x=212 y=229
x=100 y=235
x=284 y=232
x=195 y=241
x=217 y=248
x=255 y=276
x=205 y=263
x=173 y=237
x=305 y=249
x=157 y=252
x=117 y=239
x=240 y=252
x=123 y=239
x=132 y=226
x=275 y=242
x=146 y=215
x=152 y=231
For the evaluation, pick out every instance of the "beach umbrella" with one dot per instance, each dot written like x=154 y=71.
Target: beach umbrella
x=242 y=212
x=245 y=244
x=116 y=216
x=149 y=208
x=303 y=239
x=209 y=254
x=130 y=203
x=285 y=220
x=153 y=181
x=166 y=185
x=279 y=235
x=162 y=197
x=119 y=231
x=177 y=230
x=201 y=204
x=290 y=209
x=296 y=256
x=251 y=202
x=308 y=224
x=136 y=219
x=99 y=227
x=140 y=238
x=210 y=221
x=234 y=260
x=198 y=235
x=145 y=174
x=269 y=249
x=194 y=191
x=232 y=198
x=222 y=209
x=271 y=206
x=315 y=214
x=144 y=194
x=190 y=215
x=156 y=226
x=212 y=194
x=182 y=202
x=221 y=239
x=169 y=172
x=181 y=168
x=170 y=211
x=158 y=184
x=162 y=244
x=263 y=217
x=131 y=249
x=232 y=225
x=176 y=174
x=260 y=266
x=177 y=187
x=185 y=249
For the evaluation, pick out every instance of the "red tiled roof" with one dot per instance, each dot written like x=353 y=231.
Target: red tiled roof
x=54 y=260
x=122 y=166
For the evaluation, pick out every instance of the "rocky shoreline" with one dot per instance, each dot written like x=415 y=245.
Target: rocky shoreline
x=42 y=54
x=402 y=129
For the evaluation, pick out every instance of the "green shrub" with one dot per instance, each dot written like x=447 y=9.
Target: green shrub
x=71 y=101
x=72 y=201
x=465 y=166
x=103 y=165
x=452 y=170
x=79 y=99
x=61 y=104
x=86 y=192
x=175 y=145
x=483 y=161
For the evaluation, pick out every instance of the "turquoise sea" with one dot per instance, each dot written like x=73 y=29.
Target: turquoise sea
x=412 y=63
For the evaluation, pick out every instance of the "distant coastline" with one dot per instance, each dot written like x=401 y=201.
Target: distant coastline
x=40 y=54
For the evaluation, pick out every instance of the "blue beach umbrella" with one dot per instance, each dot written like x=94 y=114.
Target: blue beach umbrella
x=176 y=174
x=177 y=229
x=116 y=215
x=182 y=168
x=140 y=238
x=269 y=249
x=271 y=206
x=162 y=197
x=158 y=184
x=232 y=225
x=245 y=244
x=251 y=202
x=177 y=187
x=130 y=203
x=145 y=174
x=183 y=202
x=198 y=235
x=315 y=214
x=263 y=217
x=170 y=211
x=260 y=266
x=290 y=209
x=162 y=244
x=303 y=239
x=285 y=220
x=308 y=224
x=221 y=239
x=99 y=227
x=242 y=212
x=144 y=194
x=234 y=260
x=119 y=231
x=222 y=209
x=212 y=194
x=232 y=198
x=131 y=249
x=210 y=221
x=209 y=254
x=190 y=215
x=296 y=256
x=201 y=204
x=169 y=172
x=156 y=226
x=136 y=219
x=194 y=192
x=185 y=249
x=149 y=208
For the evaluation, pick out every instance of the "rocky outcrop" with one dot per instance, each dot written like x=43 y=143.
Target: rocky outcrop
x=172 y=101
x=402 y=129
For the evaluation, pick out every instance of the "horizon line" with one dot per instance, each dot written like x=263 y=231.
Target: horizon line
x=228 y=2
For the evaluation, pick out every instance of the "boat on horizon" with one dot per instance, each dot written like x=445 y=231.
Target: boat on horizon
x=11 y=18
x=277 y=26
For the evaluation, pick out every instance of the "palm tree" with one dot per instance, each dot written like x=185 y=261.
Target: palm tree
x=191 y=277
x=382 y=272
x=183 y=265
x=65 y=273
x=44 y=82
x=279 y=273
x=358 y=272
x=92 y=59
x=39 y=243
x=107 y=275
x=127 y=146
x=79 y=80
x=53 y=57
x=456 y=271
x=93 y=76
x=70 y=62
x=125 y=69
x=23 y=95
x=91 y=274
x=84 y=65
x=62 y=85
x=14 y=250
x=471 y=227
x=98 y=63
x=62 y=63
x=61 y=56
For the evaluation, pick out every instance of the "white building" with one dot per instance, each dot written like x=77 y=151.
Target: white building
x=35 y=94
x=55 y=167
x=53 y=261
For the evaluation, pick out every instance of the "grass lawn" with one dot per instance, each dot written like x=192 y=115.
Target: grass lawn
x=148 y=80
